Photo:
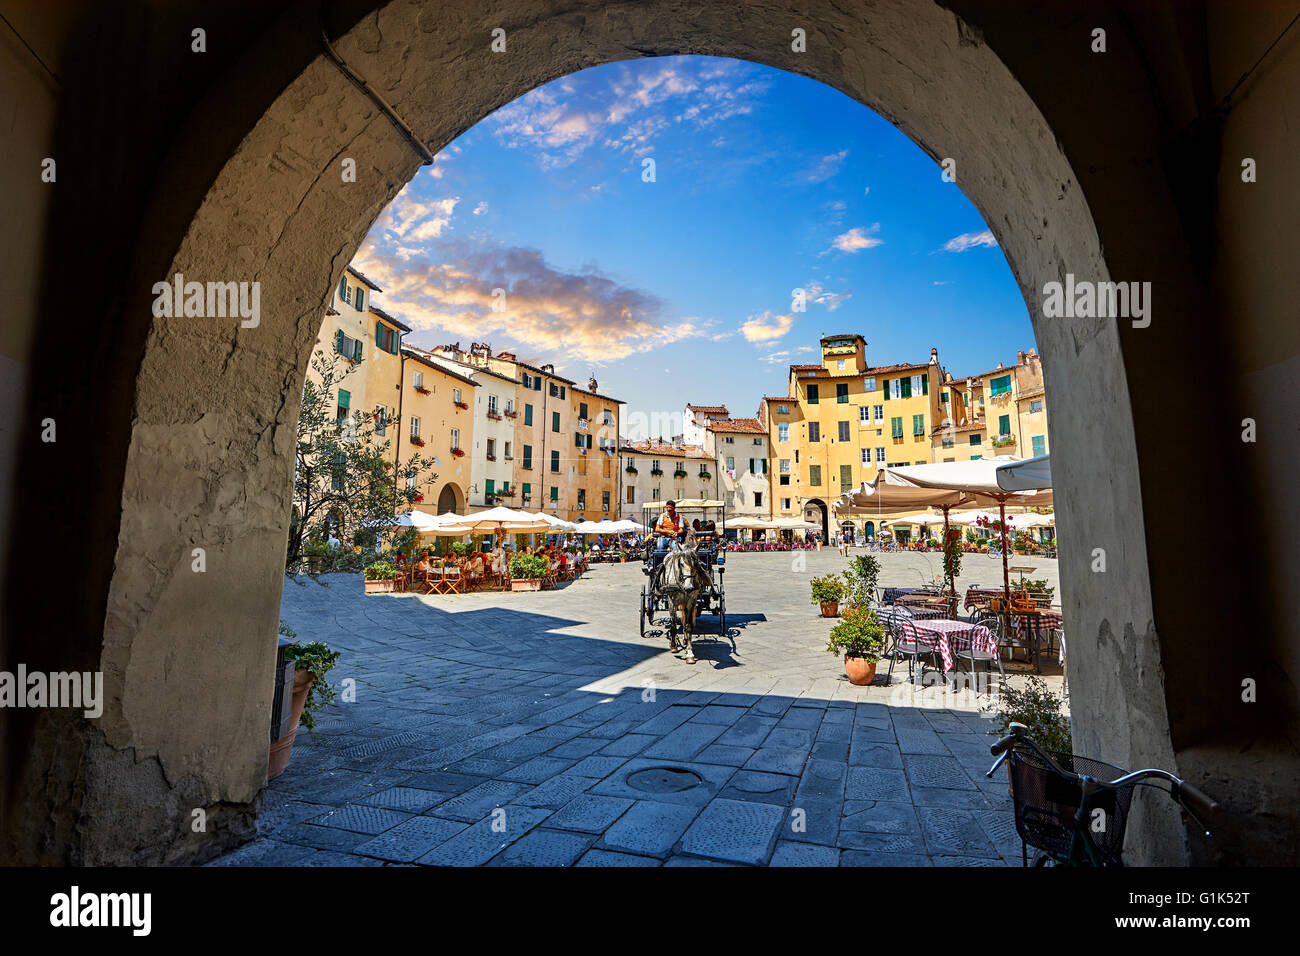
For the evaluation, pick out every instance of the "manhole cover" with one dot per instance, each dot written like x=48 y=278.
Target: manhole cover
x=663 y=780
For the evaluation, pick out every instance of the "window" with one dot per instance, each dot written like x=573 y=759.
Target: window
x=731 y=464
x=609 y=417
x=1000 y=385
x=654 y=493
x=896 y=427
x=509 y=452
x=904 y=387
x=729 y=440
x=555 y=461
x=839 y=364
x=753 y=469
x=1004 y=424
x=920 y=385
x=526 y=492
x=604 y=501
x=842 y=391
x=455 y=438
x=555 y=421
x=758 y=499
x=976 y=440
x=361 y=299
x=918 y=424
x=415 y=426
x=1036 y=405
x=489 y=487
x=582 y=410
x=455 y=395
x=783 y=431
x=339 y=471
x=943 y=397
x=814 y=431
x=879 y=413
x=758 y=441
x=528 y=457
x=815 y=475
x=880 y=456
x=846 y=476
x=864 y=415
x=655 y=466
x=492 y=449
x=783 y=409
x=528 y=414
x=869 y=383
x=555 y=493
x=785 y=504
x=844 y=431
x=947 y=442
x=811 y=389
x=631 y=495
x=785 y=466
x=731 y=499
x=976 y=457
x=1039 y=443
x=381 y=420
x=785 y=479
x=865 y=457
x=343 y=288
x=492 y=405
x=345 y=399
x=419 y=380
x=555 y=390
x=582 y=499
x=527 y=381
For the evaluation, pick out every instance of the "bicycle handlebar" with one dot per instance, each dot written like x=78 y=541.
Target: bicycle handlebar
x=1197 y=802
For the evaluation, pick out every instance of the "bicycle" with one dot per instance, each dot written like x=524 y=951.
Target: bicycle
x=994 y=551
x=1071 y=816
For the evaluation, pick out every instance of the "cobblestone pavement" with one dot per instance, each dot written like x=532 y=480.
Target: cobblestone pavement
x=539 y=728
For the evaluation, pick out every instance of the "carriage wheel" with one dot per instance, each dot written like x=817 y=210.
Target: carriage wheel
x=722 y=615
x=643 y=612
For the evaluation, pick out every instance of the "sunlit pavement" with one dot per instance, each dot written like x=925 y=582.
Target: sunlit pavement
x=539 y=728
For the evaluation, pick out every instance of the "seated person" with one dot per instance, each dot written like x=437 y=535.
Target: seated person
x=424 y=565
x=669 y=529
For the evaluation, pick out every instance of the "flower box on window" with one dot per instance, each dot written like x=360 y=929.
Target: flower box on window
x=494 y=416
x=656 y=472
x=511 y=414
x=458 y=452
x=422 y=390
x=418 y=498
x=679 y=473
x=462 y=404
x=705 y=476
x=631 y=469
x=417 y=441
x=491 y=457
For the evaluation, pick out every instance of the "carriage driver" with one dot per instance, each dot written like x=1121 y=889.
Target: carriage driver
x=669 y=528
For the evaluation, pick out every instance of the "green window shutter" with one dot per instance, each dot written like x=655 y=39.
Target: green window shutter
x=884 y=387
x=379 y=335
x=814 y=396
x=925 y=384
x=345 y=399
x=555 y=421
x=1004 y=424
x=528 y=414
x=338 y=341
x=1040 y=445
x=490 y=486
x=907 y=387
x=528 y=488
x=842 y=393
x=918 y=424
x=896 y=427
x=555 y=493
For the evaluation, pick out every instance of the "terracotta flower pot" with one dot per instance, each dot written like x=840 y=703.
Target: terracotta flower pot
x=382 y=586
x=830 y=608
x=860 y=670
x=280 y=750
x=525 y=584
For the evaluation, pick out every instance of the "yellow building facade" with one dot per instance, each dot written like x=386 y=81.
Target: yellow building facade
x=437 y=422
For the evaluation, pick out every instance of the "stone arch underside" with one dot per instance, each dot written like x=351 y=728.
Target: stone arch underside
x=188 y=658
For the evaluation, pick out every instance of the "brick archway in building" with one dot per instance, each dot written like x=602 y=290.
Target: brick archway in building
x=209 y=457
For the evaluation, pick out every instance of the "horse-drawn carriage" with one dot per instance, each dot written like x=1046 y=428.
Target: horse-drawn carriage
x=687 y=580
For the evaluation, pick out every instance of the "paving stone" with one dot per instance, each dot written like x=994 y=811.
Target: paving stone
x=264 y=853
x=606 y=858
x=932 y=770
x=725 y=754
x=831 y=750
x=670 y=719
x=556 y=792
x=578 y=747
x=718 y=714
x=544 y=847
x=813 y=820
x=409 y=841
x=954 y=832
x=477 y=803
x=334 y=858
x=322 y=838
x=597 y=766
x=748 y=731
x=919 y=742
x=589 y=813
x=628 y=745
x=943 y=797
x=477 y=844
x=822 y=778
x=790 y=738
x=880 y=816
x=649 y=828
x=360 y=819
x=881 y=842
x=734 y=830
x=778 y=760
x=483 y=766
x=445 y=781
x=684 y=742
x=410 y=799
x=883 y=755
x=877 y=858
x=801 y=718
x=773 y=706
x=695 y=861
x=774 y=788
x=874 y=783
x=538 y=770
x=804 y=854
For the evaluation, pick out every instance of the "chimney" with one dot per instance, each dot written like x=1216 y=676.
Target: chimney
x=934 y=356
x=1020 y=357
x=591 y=384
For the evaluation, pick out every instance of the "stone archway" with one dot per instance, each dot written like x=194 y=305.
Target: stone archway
x=827 y=537
x=450 y=499
x=208 y=461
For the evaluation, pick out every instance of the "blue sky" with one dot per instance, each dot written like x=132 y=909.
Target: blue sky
x=680 y=289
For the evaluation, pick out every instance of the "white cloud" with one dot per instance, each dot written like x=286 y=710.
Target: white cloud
x=970 y=240
x=826 y=167
x=764 y=327
x=480 y=208
x=857 y=239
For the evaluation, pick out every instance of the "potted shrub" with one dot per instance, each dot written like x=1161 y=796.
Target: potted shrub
x=828 y=591
x=861 y=639
x=311 y=692
x=631 y=469
x=1039 y=709
x=526 y=572
x=861 y=579
x=379 y=577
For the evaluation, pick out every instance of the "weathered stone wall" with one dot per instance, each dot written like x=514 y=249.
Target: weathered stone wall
x=1057 y=150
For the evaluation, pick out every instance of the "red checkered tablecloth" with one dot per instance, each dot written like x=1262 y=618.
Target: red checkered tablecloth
x=949 y=637
x=1041 y=622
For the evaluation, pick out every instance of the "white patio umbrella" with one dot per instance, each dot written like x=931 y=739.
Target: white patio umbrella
x=626 y=526
x=501 y=520
x=794 y=524
x=1031 y=474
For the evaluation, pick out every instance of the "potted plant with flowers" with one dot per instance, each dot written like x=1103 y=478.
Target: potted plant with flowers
x=379 y=577
x=526 y=572
x=311 y=692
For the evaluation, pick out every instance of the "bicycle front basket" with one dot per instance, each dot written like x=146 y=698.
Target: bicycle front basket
x=1046 y=803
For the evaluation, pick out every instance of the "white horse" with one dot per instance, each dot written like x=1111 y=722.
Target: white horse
x=681 y=578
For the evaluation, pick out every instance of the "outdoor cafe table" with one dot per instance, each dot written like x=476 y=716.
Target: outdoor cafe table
x=949 y=637
x=942 y=602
